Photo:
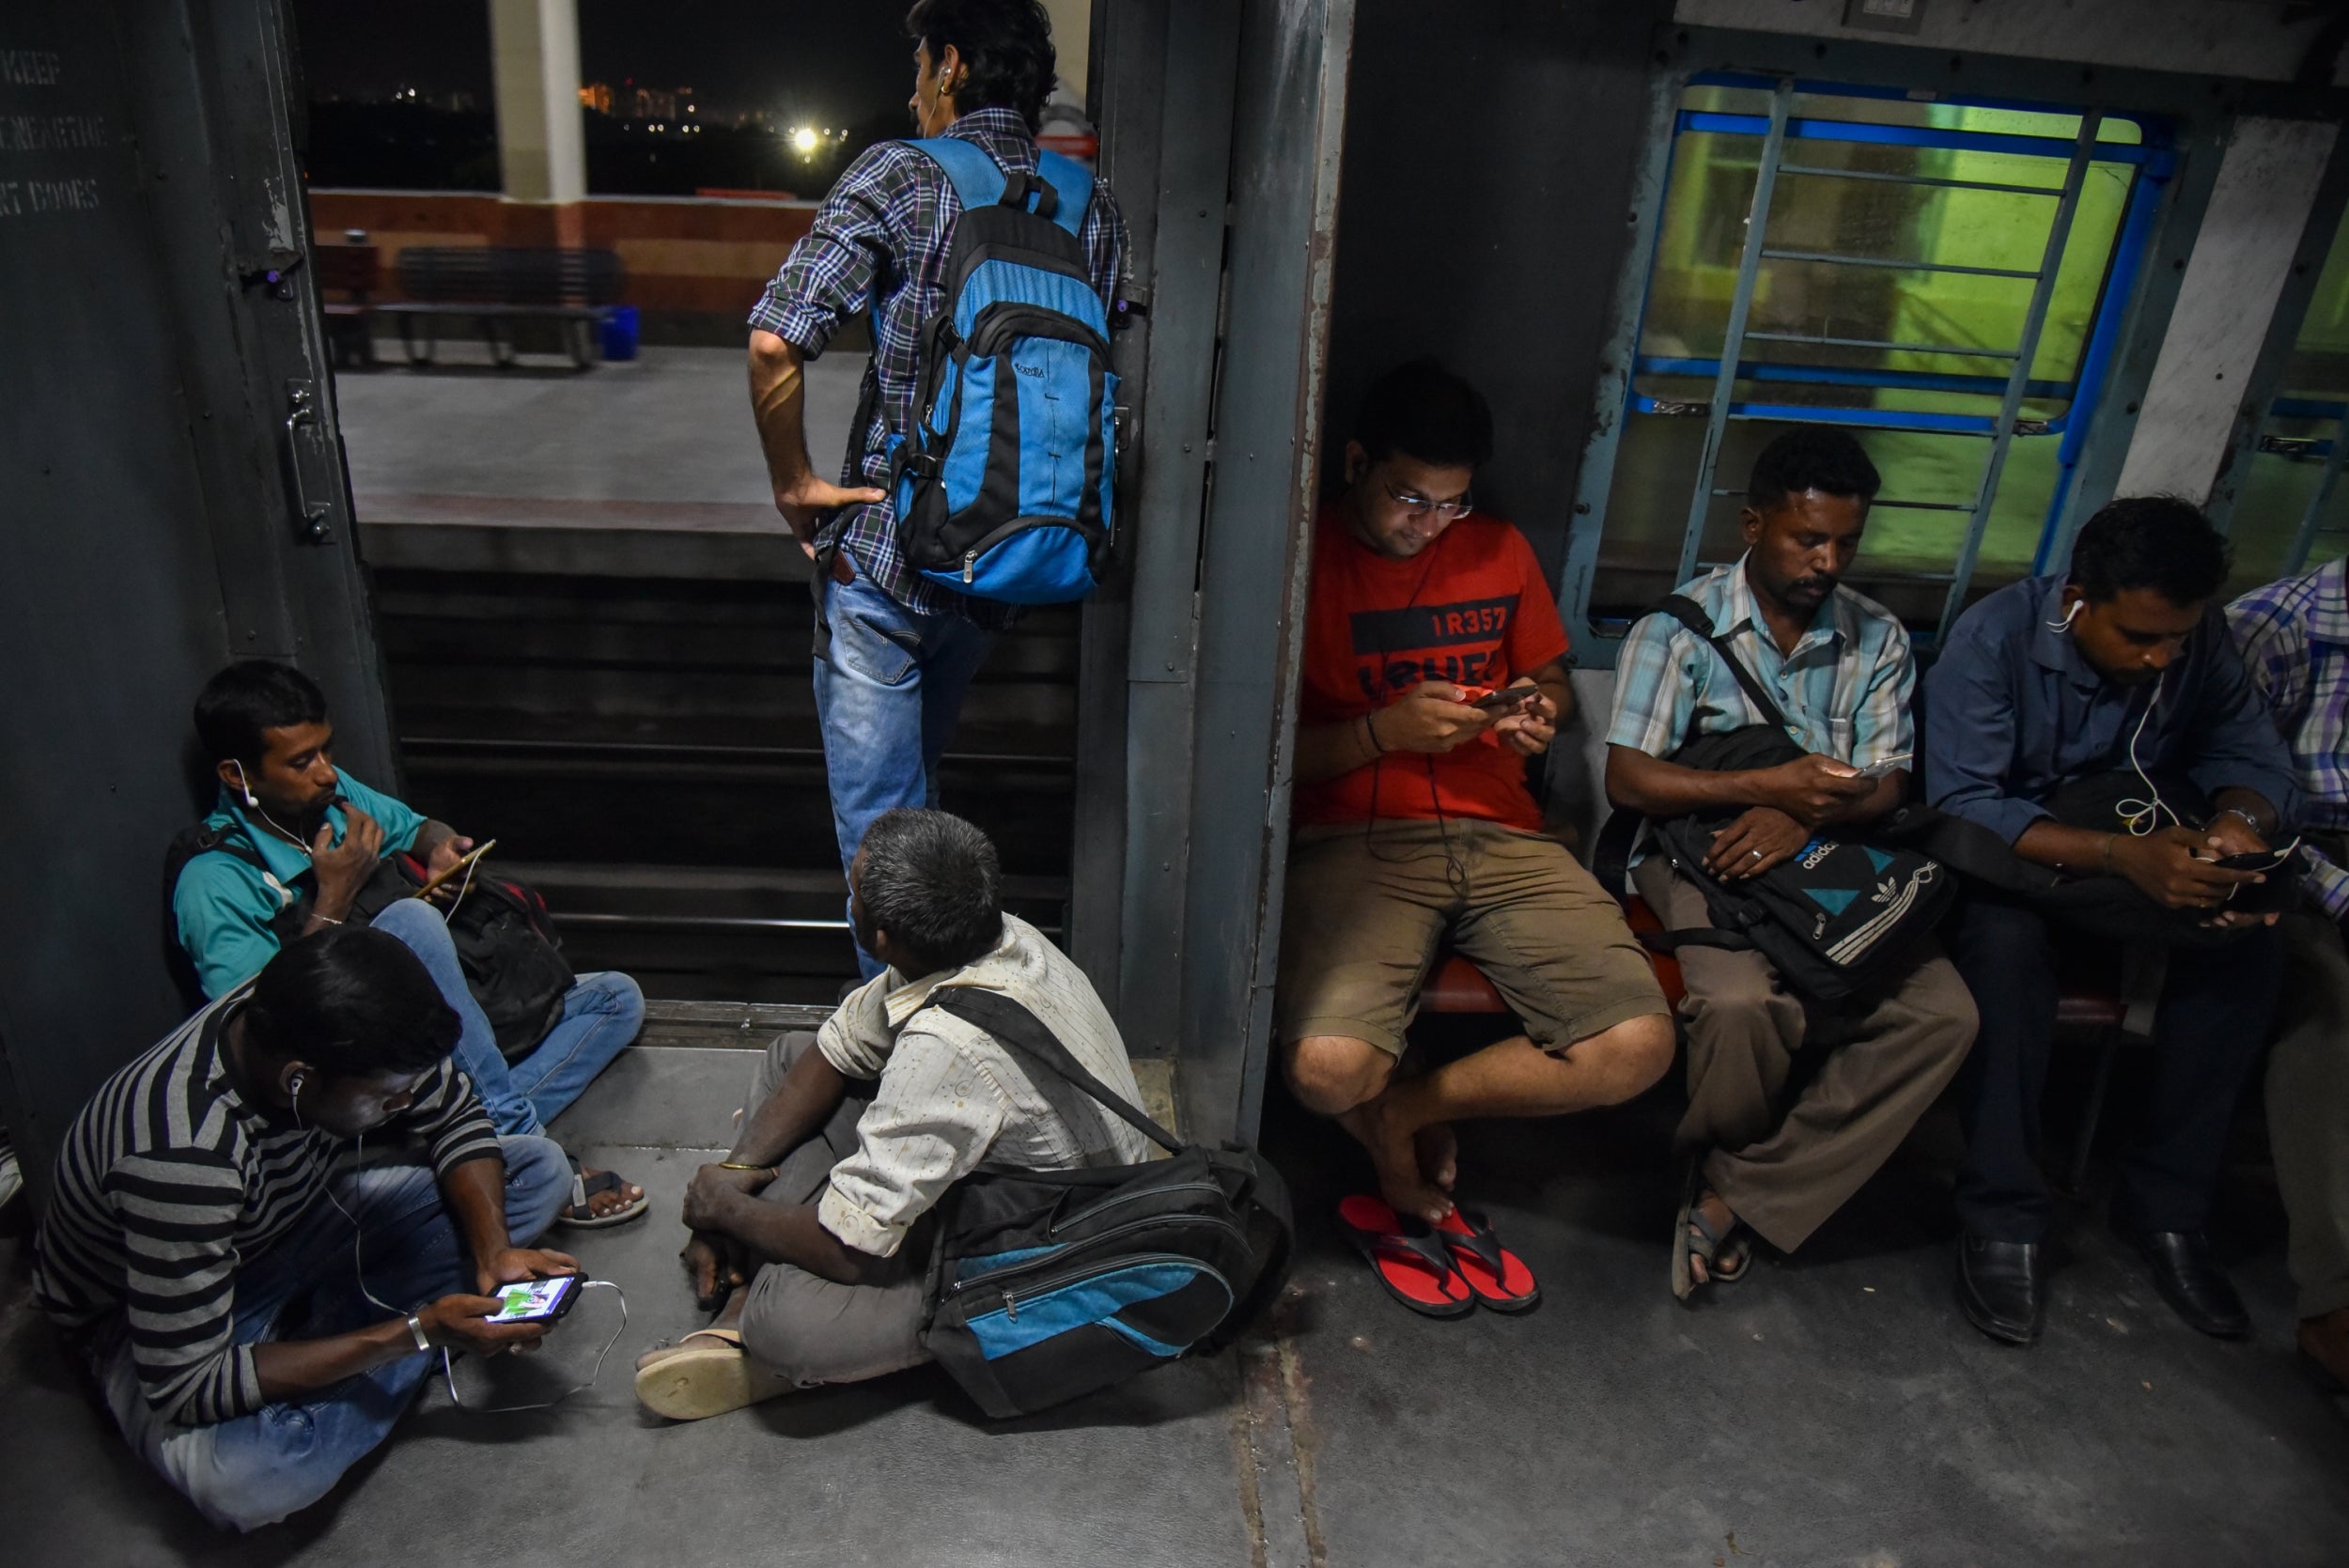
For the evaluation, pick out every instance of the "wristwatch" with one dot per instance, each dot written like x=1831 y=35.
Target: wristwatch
x=415 y=1333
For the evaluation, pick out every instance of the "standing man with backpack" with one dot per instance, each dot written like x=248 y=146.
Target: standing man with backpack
x=980 y=461
x=1837 y=668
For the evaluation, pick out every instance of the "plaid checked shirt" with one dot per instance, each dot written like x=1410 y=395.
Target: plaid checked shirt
x=880 y=243
x=2295 y=635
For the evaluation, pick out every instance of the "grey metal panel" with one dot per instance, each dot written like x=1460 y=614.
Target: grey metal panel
x=1287 y=136
x=1129 y=84
x=2243 y=253
x=95 y=603
x=1197 y=47
x=148 y=528
x=2291 y=307
x=2096 y=477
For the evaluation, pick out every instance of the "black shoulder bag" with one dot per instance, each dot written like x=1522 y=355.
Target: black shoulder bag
x=1048 y=1285
x=1836 y=918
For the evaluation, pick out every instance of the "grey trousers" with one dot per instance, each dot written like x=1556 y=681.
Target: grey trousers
x=2308 y=1109
x=1784 y=1168
x=809 y=1329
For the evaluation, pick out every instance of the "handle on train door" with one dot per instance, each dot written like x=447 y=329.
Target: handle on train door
x=310 y=517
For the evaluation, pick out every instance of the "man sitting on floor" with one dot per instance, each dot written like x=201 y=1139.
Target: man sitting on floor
x=1839 y=668
x=1413 y=823
x=815 y=1231
x=2294 y=636
x=294 y=840
x=2120 y=670
x=256 y=1303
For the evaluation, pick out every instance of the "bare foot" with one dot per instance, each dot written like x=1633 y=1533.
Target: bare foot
x=1722 y=1220
x=1439 y=1151
x=1395 y=1160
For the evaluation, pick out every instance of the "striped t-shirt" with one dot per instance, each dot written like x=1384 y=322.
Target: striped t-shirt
x=168 y=1180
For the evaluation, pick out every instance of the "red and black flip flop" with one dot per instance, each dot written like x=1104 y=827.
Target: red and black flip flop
x=1498 y=1276
x=1405 y=1257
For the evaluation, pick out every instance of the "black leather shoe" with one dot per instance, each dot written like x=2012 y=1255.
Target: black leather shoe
x=2191 y=1283
x=2002 y=1287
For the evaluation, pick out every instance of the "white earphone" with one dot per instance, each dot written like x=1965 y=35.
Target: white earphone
x=294 y=1087
x=2069 y=616
x=245 y=784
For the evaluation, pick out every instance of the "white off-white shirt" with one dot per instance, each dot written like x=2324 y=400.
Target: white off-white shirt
x=949 y=1096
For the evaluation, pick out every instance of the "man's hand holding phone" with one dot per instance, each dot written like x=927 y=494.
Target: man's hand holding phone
x=1433 y=717
x=463 y=1323
x=1811 y=789
x=1529 y=717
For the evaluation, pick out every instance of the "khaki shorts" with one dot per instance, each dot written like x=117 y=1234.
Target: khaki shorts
x=1366 y=908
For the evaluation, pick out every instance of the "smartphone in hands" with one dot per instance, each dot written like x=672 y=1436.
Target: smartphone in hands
x=536 y=1300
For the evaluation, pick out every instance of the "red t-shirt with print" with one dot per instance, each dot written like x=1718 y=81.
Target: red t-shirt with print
x=1472 y=609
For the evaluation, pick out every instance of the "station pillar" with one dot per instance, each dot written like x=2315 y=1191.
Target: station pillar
x=542 y=153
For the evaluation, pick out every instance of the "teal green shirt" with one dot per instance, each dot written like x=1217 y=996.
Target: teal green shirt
x=222 y=905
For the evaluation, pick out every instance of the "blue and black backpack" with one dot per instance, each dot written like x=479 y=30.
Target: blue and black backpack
x=1002 y=485
x=1048 y=1285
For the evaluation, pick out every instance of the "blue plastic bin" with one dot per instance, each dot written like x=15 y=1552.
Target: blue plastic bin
x=619 y=332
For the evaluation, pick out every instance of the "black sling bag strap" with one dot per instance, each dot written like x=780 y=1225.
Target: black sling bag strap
x=1611 y=859
x=1048 y=1285
x=1688 y=613
x=1022 y=1033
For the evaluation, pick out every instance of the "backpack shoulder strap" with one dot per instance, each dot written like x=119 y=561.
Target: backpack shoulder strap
x=976 y=176
x=201 y=840
x=1691 y=615
x=1020 y=1031
x=1072 y=187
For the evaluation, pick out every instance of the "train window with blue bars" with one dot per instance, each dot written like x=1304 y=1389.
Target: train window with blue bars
x=1946 y=277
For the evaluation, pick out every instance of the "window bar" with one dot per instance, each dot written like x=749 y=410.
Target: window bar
x=1896 y=263
x=1885 y=344
x=2305 y=540
x=2050 y=262
x=1920 y=179
x=1733 y=342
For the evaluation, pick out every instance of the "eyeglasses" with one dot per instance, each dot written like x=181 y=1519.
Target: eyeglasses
x=1420 y=505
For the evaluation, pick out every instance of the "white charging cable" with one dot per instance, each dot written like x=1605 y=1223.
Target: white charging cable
x=448 y=1371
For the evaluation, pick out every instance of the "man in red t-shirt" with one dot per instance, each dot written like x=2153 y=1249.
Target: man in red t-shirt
x=1413 y=822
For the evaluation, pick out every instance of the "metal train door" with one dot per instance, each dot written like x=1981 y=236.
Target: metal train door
x=171 y=493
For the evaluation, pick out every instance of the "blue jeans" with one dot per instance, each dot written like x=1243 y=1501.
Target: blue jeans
x=601 y=1015
x=398 y=1243
x=888 y=699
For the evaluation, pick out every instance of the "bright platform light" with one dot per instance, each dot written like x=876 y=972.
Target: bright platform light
x=804 y=140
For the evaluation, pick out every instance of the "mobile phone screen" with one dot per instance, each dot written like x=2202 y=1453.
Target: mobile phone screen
x=533 y=1301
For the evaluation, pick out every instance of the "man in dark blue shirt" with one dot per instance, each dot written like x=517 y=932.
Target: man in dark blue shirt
x=2122 y=665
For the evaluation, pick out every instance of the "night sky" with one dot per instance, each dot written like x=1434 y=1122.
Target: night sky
x=837 y=61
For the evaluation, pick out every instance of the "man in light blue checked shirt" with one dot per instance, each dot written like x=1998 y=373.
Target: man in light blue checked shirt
x=1839 y=668
x=2295 y=637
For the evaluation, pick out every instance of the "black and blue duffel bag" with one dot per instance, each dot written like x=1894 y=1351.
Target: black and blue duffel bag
x=1048 y=1285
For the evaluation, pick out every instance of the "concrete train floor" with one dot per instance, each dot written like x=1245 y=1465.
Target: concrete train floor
x=1831 y=1409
